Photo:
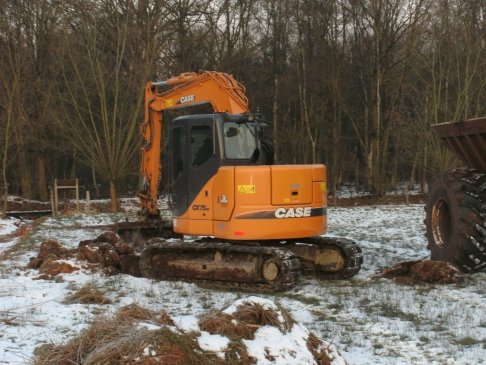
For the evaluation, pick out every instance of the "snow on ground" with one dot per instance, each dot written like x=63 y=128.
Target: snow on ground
x=370 y=320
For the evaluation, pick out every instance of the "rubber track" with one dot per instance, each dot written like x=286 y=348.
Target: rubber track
x=289 y=264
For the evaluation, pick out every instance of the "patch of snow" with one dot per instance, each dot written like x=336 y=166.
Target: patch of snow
x=149 y=351
x=8 y=226
x=186 y=323
x=272 y=347
x=213 y=343
x=148 y=326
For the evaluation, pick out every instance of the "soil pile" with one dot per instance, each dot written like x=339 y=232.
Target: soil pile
x=423 y=271
x=107 y=251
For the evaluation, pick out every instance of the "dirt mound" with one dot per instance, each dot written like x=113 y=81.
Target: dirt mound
x=423 y=271
x=135 y=335
x=107 y=251
x=110 y=252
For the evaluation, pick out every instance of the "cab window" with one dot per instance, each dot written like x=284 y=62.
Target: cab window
x=202 y=146
x=239 y=140
x=178 y=151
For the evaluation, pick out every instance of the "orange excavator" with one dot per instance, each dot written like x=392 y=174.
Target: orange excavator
x=256 y=225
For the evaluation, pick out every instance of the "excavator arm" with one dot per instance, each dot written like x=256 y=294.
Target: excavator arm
x=221 y=90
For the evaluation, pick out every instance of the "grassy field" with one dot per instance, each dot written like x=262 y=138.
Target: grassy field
x=370 y=319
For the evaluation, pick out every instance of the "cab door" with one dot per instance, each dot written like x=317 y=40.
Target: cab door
x=195 y=160
x=179 y=169
x=203 y=162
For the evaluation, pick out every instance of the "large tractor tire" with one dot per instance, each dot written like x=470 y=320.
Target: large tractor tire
x=456 y=219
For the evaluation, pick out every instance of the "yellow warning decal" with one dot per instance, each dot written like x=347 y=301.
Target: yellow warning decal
x=323 y=186
x=246 y=189
x=169 y=103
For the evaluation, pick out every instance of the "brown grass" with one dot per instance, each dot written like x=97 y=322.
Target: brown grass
x=225 y=325
x=118 y=340
x=316 y=347
x=242 y=325
x=133 y=312
x=164 y=318
x=257 y=315
x=237 y=353
x=88 y=294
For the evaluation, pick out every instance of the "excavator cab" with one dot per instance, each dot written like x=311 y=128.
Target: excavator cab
x=222 y=185
x=200 y=144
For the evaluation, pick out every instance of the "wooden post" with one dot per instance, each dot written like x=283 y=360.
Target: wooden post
x=65 y=184
x=88 y=198
x=53 y=206
x=77 y=196
x=3 y=200
x=56 y=198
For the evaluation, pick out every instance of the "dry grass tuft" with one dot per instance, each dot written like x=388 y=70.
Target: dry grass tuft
x=322 y=354
x=237 y=353
x=106 y=341
x=117 y=340
x=88 y=294
x=243 y=324
x=225 y=325
x=257 y=315
x=164 y=318
x=133 y=312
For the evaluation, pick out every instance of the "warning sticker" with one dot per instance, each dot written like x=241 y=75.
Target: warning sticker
x=246 y=189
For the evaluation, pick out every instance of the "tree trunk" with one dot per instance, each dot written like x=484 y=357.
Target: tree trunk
x=3 y=186
x=23 y=171
x=41 y=178
x=113 y=196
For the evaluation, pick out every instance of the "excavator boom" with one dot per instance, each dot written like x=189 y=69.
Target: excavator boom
x=218 y=89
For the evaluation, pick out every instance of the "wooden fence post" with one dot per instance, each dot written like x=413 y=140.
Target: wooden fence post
x=60 y=184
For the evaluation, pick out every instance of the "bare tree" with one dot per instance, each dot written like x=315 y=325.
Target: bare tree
x=103 y=90
x=383 y=33
x=10 y=83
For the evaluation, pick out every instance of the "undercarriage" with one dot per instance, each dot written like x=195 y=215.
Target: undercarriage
x=266 y=266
